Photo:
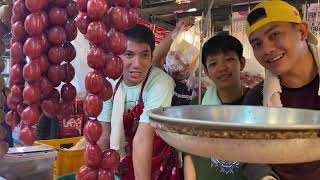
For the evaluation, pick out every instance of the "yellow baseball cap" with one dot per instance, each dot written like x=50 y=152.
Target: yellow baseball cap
x=274 y=11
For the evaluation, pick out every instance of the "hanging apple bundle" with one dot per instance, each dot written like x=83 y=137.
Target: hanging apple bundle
x=102 y=23
x=41 y=35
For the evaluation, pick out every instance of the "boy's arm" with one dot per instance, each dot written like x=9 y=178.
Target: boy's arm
x=188 y=168
x=142 y=151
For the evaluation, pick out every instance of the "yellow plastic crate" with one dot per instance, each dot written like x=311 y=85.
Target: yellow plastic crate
x=67 y=160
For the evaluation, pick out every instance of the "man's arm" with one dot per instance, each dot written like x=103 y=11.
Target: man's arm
x=188 y=166
x=104 y=140
x=162 y=49
x=142 y=151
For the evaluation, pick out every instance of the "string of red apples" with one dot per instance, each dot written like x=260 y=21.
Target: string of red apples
x=102 y=22
x=41 y=34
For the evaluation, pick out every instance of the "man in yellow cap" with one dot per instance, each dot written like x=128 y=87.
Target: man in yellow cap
x=283 y=45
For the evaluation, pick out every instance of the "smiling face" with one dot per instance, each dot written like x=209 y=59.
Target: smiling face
x=278 y=46
x=136 y=62
x=224 y=69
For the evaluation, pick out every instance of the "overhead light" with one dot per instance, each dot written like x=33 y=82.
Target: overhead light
x=192 y=9
x=183 y=1
x=184 y=11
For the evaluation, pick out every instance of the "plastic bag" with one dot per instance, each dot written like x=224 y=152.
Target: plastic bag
x=193 y=83
x=183 y=56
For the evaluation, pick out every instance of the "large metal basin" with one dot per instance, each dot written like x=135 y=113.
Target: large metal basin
x=243 y=133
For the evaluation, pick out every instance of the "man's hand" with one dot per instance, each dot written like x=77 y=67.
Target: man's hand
x=142 y=151
x=183 y=24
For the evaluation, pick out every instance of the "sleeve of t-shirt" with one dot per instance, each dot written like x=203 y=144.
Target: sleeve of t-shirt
x=159 y=95
x=254 y=96
x=105 y=115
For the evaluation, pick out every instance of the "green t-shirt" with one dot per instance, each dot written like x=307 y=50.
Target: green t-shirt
x=206 y=168
x=158 y=92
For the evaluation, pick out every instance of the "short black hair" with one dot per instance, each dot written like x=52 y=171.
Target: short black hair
x=221 y=43
x=141 y=34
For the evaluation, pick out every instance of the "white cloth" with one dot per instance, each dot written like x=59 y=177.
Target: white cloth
x=271 y=90
x=272 y=87
x=117 y=136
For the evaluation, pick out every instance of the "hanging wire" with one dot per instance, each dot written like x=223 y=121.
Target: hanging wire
x=206 y=27
x=317 y=17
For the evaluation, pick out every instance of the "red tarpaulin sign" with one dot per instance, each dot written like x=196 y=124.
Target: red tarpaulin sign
x=159 y=32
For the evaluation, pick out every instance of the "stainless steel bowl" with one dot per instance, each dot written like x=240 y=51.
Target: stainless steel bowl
x=243 y=133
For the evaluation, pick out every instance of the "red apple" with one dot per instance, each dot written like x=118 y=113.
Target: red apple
x=96 y=58
x=92 y=155
x=69 y=72
x=12 y=118
x=27 y=135
x=92 y=131
x=87 y=173
x=110 y=159
x=114 y=67
x=117 y=43
x=20 y=108
x=18 y=31
x=106 y=92
x=19 y=9
x=96 y=9
x=30 y=116
x=43 y=63
x=58 y=16
x=50 y=107
x=31 y=95
x=82 y=22
x=71 y=29
x=132 y=17
x=57 y=35
x=119 y=18
x=56 y=54
x=82 y=5
x=16 y=51
x=46 y=87
x=33 y=47
x=16 y=74
x=36 y=5
x=31 y=72
x=70 y=52
x=68 y=92
x=94 y=82
x=105 y=174
x=96 y=32
x=55 y=73
x=92 y=105
x=71 y=8
x=35 y=23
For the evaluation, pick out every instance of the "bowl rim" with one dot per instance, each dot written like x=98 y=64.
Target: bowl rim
x=155 y=115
